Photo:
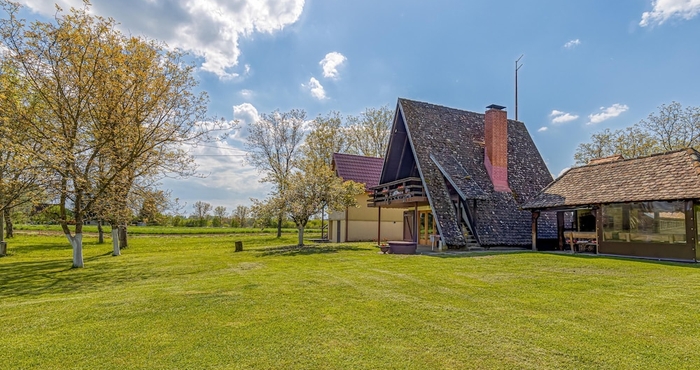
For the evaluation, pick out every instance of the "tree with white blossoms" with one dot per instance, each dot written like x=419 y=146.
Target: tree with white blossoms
x=307 y=191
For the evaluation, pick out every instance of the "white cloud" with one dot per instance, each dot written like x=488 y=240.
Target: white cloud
x=542 y=129
x=317 y=90
x=572 y=43
x=228 y=180
x=245 y=114
x=607 y=113
x=562 y=117
x=210 y=29
x=663 y=10
x=246 y=93
x=330 y=64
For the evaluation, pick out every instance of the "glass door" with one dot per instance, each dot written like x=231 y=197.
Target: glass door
x=426 y=224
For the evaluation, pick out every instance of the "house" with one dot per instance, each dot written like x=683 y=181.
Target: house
x=642 y=207
x=461 y=175
x=362 y=223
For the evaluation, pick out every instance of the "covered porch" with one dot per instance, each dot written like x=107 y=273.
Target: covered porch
x=419 y=224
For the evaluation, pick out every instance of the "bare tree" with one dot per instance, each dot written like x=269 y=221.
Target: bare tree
x=240 y=214
x=201 y=212
x=273 y=148
x=368 y=133
x=220 y=215
x=674 y=127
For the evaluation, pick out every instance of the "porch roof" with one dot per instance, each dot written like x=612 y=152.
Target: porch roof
x=665 y=176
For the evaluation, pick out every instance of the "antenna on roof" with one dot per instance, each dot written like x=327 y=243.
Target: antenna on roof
x=517 y=67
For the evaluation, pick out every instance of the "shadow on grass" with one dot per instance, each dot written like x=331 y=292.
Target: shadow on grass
x=472 y=254
x=688 y=264
x=294 y=250
x=57 y=276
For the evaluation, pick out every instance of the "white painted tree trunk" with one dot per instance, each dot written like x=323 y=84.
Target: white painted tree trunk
x=301 y=236
x=115 y=242
x=77 y=243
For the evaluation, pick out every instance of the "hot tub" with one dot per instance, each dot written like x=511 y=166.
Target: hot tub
x=402 y=247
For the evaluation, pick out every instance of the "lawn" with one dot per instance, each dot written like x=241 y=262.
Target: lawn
x=162 y=230
x=191 y=302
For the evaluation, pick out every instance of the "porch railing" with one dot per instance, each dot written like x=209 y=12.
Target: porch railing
x=400 y=190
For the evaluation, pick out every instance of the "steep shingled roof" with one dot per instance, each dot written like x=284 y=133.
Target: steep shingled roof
x=667 y=176
x=358 y=168
x=448 y=143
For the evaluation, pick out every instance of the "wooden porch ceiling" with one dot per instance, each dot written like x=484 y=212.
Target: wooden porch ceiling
x=410 y=202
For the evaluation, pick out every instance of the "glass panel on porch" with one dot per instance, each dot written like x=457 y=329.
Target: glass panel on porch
x=646 y=222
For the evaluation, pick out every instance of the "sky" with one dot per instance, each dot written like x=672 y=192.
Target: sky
x=588 y=65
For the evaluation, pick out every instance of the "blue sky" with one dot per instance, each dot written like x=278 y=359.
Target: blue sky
x=588 y=65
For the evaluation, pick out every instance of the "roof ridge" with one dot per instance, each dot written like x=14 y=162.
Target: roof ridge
x=357 y=155
x=483 y=113
x=669 y=152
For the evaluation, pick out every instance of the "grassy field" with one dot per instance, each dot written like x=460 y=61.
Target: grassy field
x=162 y=230
x=189 y=302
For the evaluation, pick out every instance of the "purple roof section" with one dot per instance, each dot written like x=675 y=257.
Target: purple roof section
x=366 y=170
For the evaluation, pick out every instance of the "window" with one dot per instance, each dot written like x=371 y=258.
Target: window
x=647 y=222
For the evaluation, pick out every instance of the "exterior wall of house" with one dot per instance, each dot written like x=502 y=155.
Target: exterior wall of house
x=362 y=223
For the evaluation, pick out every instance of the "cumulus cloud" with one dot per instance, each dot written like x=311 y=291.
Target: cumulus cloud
x=542 y=129
x=572 y=43
x=663 y=10
x=316 y=89
x=226 y=179
x=245 y=114
x=330 y=64
x=607 y=113
x=210 y=29
x=562 y=117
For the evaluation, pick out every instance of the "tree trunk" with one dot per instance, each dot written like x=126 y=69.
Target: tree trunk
x=115 y=242
x=279 y=226
x=323 y=213
x=123 y=242
x=100 y=233
x=2 y=226
x=301 y=236
x=77 y=243
x=9 y=229
x=3 y=245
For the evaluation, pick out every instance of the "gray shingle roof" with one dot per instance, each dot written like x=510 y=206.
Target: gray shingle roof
x=449 y=143
x=666 y=176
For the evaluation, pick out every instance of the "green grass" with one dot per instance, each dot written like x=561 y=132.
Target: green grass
x=190 y=302
x=164 y=230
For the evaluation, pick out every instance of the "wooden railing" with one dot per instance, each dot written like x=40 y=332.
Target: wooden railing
x=400 y=190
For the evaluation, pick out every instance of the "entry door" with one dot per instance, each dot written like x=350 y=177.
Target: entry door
x=427 y=227
x=408 y=225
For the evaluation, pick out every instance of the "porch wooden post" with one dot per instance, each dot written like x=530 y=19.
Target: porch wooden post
x=415 y=223
x=535 y=216
x=560 y=229
x=379 y=225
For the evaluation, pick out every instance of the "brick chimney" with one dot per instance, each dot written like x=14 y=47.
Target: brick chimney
x=496 y=148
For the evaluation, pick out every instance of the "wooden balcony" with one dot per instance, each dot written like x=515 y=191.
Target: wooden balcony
x=402 y=193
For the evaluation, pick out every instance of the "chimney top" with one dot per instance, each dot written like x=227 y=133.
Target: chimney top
x=496 y=107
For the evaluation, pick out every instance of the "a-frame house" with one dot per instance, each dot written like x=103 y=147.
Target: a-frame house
x=461 y=175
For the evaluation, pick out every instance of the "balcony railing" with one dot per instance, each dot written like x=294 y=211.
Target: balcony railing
x=409 y=189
